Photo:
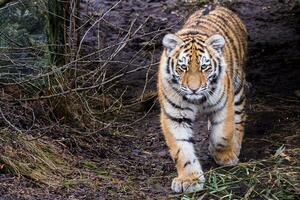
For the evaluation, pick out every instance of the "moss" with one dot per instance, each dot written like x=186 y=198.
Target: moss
x=89 y=164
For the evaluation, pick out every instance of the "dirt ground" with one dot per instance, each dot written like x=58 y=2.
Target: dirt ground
x=138 y=160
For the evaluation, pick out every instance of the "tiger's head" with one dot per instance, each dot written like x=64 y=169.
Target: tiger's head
x=193 y=65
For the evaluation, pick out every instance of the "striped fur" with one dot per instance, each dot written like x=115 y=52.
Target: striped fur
x=202 y=70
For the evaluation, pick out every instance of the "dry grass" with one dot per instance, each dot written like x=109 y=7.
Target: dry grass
x=47 y=162
x=38 y=160
x=275 y=178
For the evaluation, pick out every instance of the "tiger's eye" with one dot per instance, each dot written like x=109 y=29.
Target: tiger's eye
x=184 y=67
x=203 y=67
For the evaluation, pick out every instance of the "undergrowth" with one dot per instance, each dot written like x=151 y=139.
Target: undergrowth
x=39 y=160
x=48 y=163
x=275 y=178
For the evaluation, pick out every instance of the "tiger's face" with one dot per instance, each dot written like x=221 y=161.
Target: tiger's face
x=192 y=73
x=193 y=64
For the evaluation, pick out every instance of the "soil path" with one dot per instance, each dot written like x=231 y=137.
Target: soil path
x=139 y=161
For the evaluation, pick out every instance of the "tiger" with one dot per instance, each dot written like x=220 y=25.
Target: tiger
x=202 y=71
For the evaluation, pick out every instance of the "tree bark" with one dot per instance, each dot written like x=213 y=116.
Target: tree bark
x=63 y=35
x=56 y=32
x=4 y=2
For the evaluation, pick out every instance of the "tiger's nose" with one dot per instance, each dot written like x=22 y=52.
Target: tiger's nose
x=194 y=90
x=194 y=87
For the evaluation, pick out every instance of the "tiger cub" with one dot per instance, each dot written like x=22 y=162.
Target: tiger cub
x=202 y=70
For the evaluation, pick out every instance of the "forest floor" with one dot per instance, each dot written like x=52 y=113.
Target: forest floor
x=134 y=163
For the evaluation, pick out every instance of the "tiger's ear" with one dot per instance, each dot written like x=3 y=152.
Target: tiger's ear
x=216 y=42
x=170 y=42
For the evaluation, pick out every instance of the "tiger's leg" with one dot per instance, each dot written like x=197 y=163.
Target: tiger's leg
x=178 y=136
x=239 y=118
x=223 y=141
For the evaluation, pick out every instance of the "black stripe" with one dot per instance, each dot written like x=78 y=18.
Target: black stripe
x=176 y=156
x=184 y=98
x=220 y=99
x=202 y=100
x=213 y=78
x=201 y=50
x=213 y=123
x=234 y=20
x=219 y=108
x=239 y=86
x=238 y=89
x=186 y=50
x=195 y=32
x=185 y=45
x=174 y=80
x=240 y=101
x=225 y=30
x=168 y=66
x=190 y=140
x=186 y=164
x=177 y=91
x=222 y=107
x=233 y=30
x=239 y=112
x=192 y=32
x=214 y=74
x=213 y=88
x=172 y=64
x=240 y=122
x=175 y=105
x=217 y=65
x=200 y=41
x=179 y=120
x=224 y=103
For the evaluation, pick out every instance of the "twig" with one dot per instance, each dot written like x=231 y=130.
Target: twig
x=88 y=30
x=8 y=122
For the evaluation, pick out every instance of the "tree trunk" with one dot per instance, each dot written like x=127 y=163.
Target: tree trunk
x=4 y=2
x=63 y=34
x=56 y=32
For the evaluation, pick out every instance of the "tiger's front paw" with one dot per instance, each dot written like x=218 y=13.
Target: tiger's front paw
x=227 y=157
x=188 y=184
